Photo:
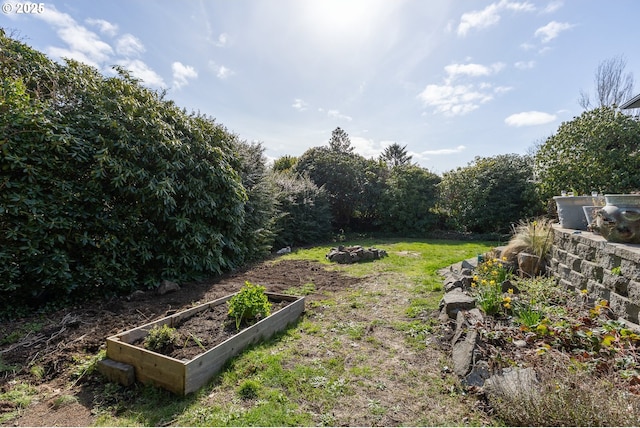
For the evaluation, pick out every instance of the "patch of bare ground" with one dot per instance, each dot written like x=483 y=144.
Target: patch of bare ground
x=391 y=382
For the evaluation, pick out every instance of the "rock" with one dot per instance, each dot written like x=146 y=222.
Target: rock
x=167 y=287
x=455 y=301
x=136 y=295
x=529 y=265
x=520 y=343
x=285 y=250
x=478 y=374
x=513 y=382
x=354 y=254
x=462 y=353
x=468 y=264
x=508 y=285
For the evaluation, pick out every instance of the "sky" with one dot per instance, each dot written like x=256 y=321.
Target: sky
x=449 y=79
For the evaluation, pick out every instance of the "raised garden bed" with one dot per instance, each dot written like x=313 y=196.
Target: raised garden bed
x=183 y=372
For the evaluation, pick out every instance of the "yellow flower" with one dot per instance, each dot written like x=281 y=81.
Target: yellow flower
x=535 y=223
x=506 y=299
x=507 y=305
x=604 y=303
x=504 y=258
x=584 y=291
x=483 y=282
x=510 y=291
x=475 y=278
x=492 y=282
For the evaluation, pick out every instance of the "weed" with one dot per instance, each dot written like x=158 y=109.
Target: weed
x=18 y=396
x=160 y=338
x=63 y=400
x=616 y=271
x=7 y=368
x=37 y=371
x=304 y=290
x=249 y=303
x=249 y=389
x=527 y=315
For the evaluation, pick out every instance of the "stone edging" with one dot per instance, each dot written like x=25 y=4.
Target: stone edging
x=459 y=308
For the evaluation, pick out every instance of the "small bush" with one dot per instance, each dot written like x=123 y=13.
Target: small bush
x=160 y=338
x=249 y=303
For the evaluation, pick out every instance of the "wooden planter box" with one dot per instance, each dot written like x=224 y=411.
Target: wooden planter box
x=183 y=377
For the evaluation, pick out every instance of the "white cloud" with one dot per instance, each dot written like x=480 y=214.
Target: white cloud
x=551 y=30
x=553 y=6
x=223 y=40
x=182 y=73
x=299 y=104
x=490 y=15
x=129 y=45
x=335 y=114
x=525 y=65
x=439 y=152
x=83 y=45
x=529 y=118
x=221 y=71
x=454 y=70
x=143 y=72
x=367 y=147
x=105 y=27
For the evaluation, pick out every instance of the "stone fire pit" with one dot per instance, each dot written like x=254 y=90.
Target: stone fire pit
x=357 y=253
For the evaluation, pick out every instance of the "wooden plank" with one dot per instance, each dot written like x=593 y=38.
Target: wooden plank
x=150 y=367
x=183 y=377
x=202 y=368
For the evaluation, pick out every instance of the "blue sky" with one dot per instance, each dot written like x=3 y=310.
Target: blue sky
x=451 y=80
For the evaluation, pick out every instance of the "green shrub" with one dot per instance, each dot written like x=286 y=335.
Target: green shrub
x=304 y=213
x=106 y=186
x=597 y=150
x=489 y=194
x=249 y=303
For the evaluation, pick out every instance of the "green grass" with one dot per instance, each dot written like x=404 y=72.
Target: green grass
x=19 y=396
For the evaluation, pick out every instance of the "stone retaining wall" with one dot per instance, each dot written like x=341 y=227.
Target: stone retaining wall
x=584 y=260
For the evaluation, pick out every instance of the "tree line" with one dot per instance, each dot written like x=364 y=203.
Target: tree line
x=106 y=186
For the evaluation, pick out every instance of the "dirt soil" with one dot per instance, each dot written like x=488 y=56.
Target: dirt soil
x=205 y=330
x=73 y=334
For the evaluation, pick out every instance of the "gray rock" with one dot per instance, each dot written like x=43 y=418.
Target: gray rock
x=167 y=287
x=513 y=382
x=455 y=301
x=462 y=353
x=136 y=295
x=478 y=374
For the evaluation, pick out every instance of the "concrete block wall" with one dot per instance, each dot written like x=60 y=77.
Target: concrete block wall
x=584 y=260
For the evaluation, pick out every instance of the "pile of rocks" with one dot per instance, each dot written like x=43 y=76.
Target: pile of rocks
x=357 y=253
x=458 y=310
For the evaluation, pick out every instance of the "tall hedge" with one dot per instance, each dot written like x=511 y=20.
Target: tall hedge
x=598 y=150
x=489 y=194
x=105 y=186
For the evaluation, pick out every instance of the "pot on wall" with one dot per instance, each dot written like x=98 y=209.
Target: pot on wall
x=570 y=212
x=619 y=220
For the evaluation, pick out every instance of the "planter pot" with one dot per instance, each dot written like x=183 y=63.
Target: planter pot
x=182 y=376
x=570 y=211
x=619 y=220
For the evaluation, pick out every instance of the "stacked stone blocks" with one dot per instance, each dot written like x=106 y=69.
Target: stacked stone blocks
x=583 y=260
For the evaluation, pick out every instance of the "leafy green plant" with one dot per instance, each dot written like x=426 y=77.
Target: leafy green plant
x=616 y=271
x=249 y=303
x=527 y=316
x=160 y=337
